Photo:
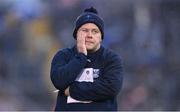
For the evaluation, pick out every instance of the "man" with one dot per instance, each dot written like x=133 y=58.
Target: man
x=88 y=58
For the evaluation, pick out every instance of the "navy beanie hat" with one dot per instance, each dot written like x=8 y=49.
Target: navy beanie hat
x=89 y=15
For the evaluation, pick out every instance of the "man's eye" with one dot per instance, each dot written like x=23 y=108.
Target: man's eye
x=95 y=31
x=84 y=30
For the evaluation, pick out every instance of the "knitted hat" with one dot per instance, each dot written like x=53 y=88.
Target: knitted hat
x=89 y=15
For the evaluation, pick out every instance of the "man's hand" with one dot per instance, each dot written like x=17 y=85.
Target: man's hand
x=81 y=47
x=66 y=92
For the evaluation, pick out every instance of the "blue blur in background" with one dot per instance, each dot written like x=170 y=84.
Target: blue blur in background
x=145 y=33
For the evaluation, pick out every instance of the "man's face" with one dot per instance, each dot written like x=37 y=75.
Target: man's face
x=92 y=36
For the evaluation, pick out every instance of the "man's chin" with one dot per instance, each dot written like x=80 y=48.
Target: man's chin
x=89 y=48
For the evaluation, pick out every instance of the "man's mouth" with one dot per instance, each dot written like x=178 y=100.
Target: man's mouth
x=88 y=42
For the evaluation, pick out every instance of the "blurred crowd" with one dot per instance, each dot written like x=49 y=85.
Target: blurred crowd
x=145 y=33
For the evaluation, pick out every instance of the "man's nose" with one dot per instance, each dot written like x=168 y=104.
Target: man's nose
x=89 y=34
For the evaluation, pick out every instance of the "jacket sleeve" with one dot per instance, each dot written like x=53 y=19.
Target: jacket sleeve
x=107 y=86
x=64 y=72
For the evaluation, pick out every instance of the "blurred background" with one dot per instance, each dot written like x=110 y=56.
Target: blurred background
x=145 y=33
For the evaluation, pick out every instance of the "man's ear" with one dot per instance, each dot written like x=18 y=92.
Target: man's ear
x=101 y=40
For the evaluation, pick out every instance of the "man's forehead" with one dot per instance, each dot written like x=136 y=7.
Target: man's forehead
x=89 y=26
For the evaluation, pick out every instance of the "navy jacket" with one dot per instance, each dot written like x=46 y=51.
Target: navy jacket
x=68 y=63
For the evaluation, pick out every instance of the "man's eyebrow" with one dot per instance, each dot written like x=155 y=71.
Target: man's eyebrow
x=90 y=29
x=83 y=28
